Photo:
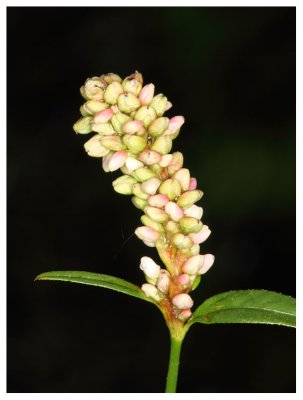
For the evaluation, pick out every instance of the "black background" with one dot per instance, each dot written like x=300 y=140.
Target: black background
x=231 y=73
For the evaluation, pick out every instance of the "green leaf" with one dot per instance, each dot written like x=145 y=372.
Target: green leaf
x=94 y=279
x=247 y=306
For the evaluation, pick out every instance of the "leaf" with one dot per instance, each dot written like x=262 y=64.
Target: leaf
x=94 y=279
x=247 y=306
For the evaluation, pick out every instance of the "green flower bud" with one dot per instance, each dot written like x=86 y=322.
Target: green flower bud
x=124 y=184
x=190 y=225
x=156 y=214
x=134 y=143
x=118 y=120
x=112 y=92
x=176 y=163
x=83 y=125
x=138 y=192
x=172 y=227
x=94 y=88
x=132 y=86
x=112 y=142
x=162 y=144
x=152 y=224
x=83 y=112
x=143 y=174
x=181 y=241
x=128 y=102
x=170 y=187
x=158 y=126
x=92 y=106
x=110 y=77
x=104 y=129
x=159 y=103
x=187 y=199
x=146 y=115
x=139 y=203
x=94 y=148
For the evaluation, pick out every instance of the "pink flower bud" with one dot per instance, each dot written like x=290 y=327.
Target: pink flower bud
x=193 y=264
x=183 y=279
x=192 y=184
x=149 y=244
x=183 y=177
x=150 y=186
x=175 y=123
x=103 y=116
x=185 y=315
x=158 y=200
x=151 y=291
x=163 y=281
x=208 y=262
x=147 y=234
x=117 y=160
x=201 y=236
x=166 y=160
x=147 y=94
x=194 y=211
x=132 y=164
x=132 y=127
x=150 y=157
x=150 y=269
x=174 y=211
x=182 y=301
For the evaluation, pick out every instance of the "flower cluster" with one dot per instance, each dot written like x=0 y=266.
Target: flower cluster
x=133 y=135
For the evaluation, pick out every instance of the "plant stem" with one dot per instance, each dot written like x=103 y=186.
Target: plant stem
x=173 y=366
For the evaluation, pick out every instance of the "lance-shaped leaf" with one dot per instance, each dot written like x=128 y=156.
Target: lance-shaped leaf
x=247 y=306
x=94 y=279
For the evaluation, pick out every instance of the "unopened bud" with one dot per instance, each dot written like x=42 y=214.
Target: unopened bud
x=158 y=126
x=194 y=211
x=184 y=315
x=151 y=291
x=176 y=163
x=158 y=200
x=117 y=160
x=112 y=92
x=138 y=203
x=174 y=211
x=162 y=144
x=132 y=127
x=170 y=187
x=128 y=102
x=112 y=142
x=124 y=184
x=149 y=244
x=103 y=116
x=172 y=228
x=159 y=103
x=94 y=148
x=182 y=301
x=166 y=160
x=83 y=125
x=147 y=94
x=190 y=225
x=137 y=190
x=163 y=281
x=208 y=262
x=118 y=121
x=183 y=177
x=187 y=199
x=150 y=157
x=132 y=164
x=181 y=241
x=195 y=249
x=152 y=224
x=134 y=143
x=151 y=269
x=143 y=174
x=183 y=279
x=132 y=86
x=110 y=77
x=146 y=115
x=175 y=124
x=193 y=264
x=192 y=184
x=147 y=234
x=168 y=106
x=201 y=236
x=104 y=129
x=156 y=214
x=93 y=106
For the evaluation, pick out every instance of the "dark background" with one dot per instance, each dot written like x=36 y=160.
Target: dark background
x=231 y=73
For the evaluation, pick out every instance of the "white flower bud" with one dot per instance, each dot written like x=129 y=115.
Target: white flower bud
x=208 y=262
x=151 y=269
x=151 y=291
x=182 y=301
x=163 y=281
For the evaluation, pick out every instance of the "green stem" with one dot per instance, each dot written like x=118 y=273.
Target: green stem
x=173 y=367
